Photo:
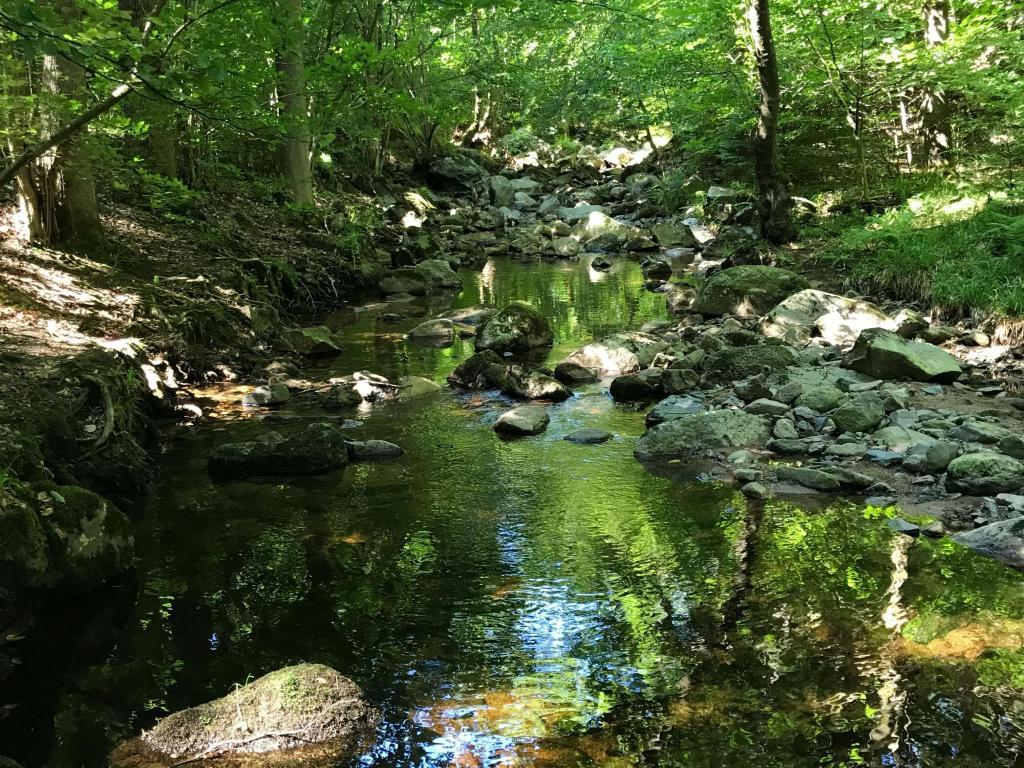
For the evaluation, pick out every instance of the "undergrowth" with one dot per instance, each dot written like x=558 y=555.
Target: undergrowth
x=955 y=249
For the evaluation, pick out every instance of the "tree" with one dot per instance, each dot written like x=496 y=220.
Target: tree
x=774 y=203
x=296 y=150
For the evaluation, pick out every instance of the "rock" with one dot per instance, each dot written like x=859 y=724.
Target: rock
x=579 y=213
x=340 y=396
x=821 y=399
x=934 y=530
x=766 y=407
x=938 y=456
x=531 y=385
x=412 y=387
x=836 y=319
x=900 y=525
x=518 y=327
x=885 y=355
x=885 y=458
x=784 y=429
x=939 y=334
x=474 y=315
x=373 y=450
x=815 y=479
x=984 y=473
x=525 y=420
x=734 y=363
x=788 y=447
x=1012 y=445
x=474 y=372
x=672 y=235
x=861 y=413
x=672 y=408
x=573 y=373
x=267 y=395
x=317 y=449
x=457 y=173
x=565 y=247
x=747 y=291
x=589 y=436
x=701 y=431
x=319 y=715
x=638 y=387
x=619 y=353
x=754 y=490
x=975 y=431
x=315 y=341
x=1003 y=540
x=679 y=380
x=503 y=194
x=656 y=269
x=426 y=277
x=897 y=438
x=847 y=450
x=600 y=263
x=434 y=330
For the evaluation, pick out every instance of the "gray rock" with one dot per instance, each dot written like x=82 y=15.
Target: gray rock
x=589 y=436
x=619 y=353
x=267 y=395
x=862 y=413
x=979 y=432
x=517 y=327
x=788 y=447
x=525 y=420
x=754 y=490
x=1003 y=540
x=503 y=194
x=701 y=431
x=900 y=525
x=316 y=341
x=317 y=449
x=412 y=387
x=766 y=407
x=340 y=396
x=821 y=399
x=847 y=450
x=573 y=373
x=373 y=450
x=434 y=330
x=885 y=458
x=784 y=429
x=672 y=408
x=900 y=439
x=836 y=319
x=809 y=478
x=984 y=473
x=885 y=355
x=638 y=387
x=679 y=380
x=747 y=291
x=734 y=363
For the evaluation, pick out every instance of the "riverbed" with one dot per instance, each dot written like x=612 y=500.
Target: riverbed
x=540 y=603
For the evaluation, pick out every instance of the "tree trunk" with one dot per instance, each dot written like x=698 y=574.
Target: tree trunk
x=774 y=203
x=935 y=117
x=57 y=191
x=296 y=151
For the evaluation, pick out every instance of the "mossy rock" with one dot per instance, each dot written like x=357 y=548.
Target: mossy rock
x=517 y=327
x=308 y=714
x=317 y=449
x=314 y=341
x=747 y=291
x=24 y=556
x=694 y=432
x=734 y=363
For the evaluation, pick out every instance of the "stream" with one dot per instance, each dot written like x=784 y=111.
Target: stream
x=541 y=603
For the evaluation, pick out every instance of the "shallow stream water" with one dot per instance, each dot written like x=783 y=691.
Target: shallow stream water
x=536 y=602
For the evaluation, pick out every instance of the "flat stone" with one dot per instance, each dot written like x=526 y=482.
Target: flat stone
x=809 y=478
x=589 y=436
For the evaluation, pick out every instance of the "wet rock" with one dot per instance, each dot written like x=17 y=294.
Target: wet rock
x=426 y=277
x=267 y=395
x=656 y=269
x=815 y=479
x=317 y=449
x=754 y=490
x=340 y=396
x=589 y=436
x=517 y=327
x=638 y=387
x=573 y=373
x=474 y=315
x=565 y=247
x=885 y=355
x=734 y=363
x=373 y=450
x=1003 y=540
x=674 y=235
x=821 y=399
x=836 y=319
x=701 y=431
x=412 y=387
x=747 y=291
x=434 y=330
x=885 y=458
x=530 y=385
x=474 y=372
x=900 y=525
x=525 y=420
x=984 y=473
x=861 y=413
x=766 y=407
x=600 y=263
x=316 y=341
x=672 y=408
x=317 y=714
x=625 y=352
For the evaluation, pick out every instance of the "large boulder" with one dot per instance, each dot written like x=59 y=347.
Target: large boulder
x=317 y=449
x=525 y=420
x=317 y=714
x=984 y=473
x=672 y=235
x=517 y=327
x=694 y=432
x=748 y=291
x=861 y=413
x=625 y=352
x=426 y=277
x=1003 y=540
x=457 y=173
x=886 y=355
x=733 y=363
x=837 y=319
x=518 y=382
x=475 y=372
x=503 y=194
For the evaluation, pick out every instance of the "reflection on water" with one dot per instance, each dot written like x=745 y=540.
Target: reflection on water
x=537 y=602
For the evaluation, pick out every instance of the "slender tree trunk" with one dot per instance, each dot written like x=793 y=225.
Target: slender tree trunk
x=935 y=113
x=296 y=151
x=773 y=198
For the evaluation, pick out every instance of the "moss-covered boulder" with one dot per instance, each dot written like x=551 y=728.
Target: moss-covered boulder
x=24 y=555
x=734 y=363
x=517 y=327
x=694 y=432
x=748 y=291
x=625 y=352
x=316 y=449
x=307 y=715
x=886 y=355
x=315 y=341
x=985 y=473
